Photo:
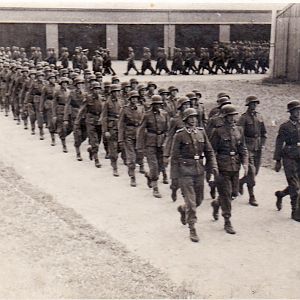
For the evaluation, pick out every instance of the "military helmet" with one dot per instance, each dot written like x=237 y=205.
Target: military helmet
x=181 y=101
x=114 y=88
x=172 y=88
x=77 y=70
x=151 y=83
x=32 y=71
x=141 y=87
x=133 y=94
x=78 y=80
x=228 y=109
x=95 y=85
x=98 y=75
x=39 y=73
x=64 y=79
x=73 y=75
x=115 y=78
x=197 y=92
x=107 y=84
x=133 y=80
x=163 y=91
x=191 y=95
x=222 y=94
x=188 y=113
x=51 y=75
x=124 y=84
x=156 y=99
x=293 y=105
x=25 y=69
x=92 y=77
x=223 y=100
x=250 y=99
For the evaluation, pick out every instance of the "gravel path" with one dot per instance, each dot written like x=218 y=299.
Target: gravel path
x=48 y=251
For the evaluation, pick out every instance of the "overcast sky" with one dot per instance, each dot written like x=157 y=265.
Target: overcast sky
x=158 y=4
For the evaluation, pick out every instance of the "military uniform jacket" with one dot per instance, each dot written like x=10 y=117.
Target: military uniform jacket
x=171 y=104
x=288 y=141
x=214 y=122
x=59 y=102
x=111 y=114
x=35 y=90
x=229 y=145
x=130 y=119
x=189 y=148
x=91 y=108
x=176 y=123
x=76 y=98
x=47 y=96
x=153 y=129
x=254 y=130
x=215 y=111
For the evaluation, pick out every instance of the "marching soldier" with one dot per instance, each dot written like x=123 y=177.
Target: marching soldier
x=97 y=62
x=228 y=142
x=176 y=123
x=161 y=61
x=110 y=117
x=146 y=62
x=287 y=151
x=46 y=104
x=255 y=135
x=190 y=147
x=131 y=116
x=150 y=137
x=75 y=100
x=91 y=108
x=130 y=62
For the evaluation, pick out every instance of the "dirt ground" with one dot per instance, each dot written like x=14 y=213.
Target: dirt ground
x=62 y=213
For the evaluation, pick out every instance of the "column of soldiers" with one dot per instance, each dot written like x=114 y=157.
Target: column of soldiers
x=142 y=122
x=228 y=58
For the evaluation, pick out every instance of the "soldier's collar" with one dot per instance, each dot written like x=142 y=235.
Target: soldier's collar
x=294 y=122
x=191 y=130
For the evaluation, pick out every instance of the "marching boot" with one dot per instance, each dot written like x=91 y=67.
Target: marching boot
x=65 y=150
x=165 y=177
x=212 y=186
x=142 y=170
x=228 y=227
x=149 y=182
x=115 y=168
x=193 y=234
x=279 y=195
x=174 y=195
x=25 y=125
x=41 y=134
x=215 y=205
x=181 y=211
x=241 y=187
x=132 y=181
x=97 y=163
x=252 y=200
x=32 y=130
x=156 y=192
x=78 y=155
x=18 y=121
x=52 y=139
x=89 y=150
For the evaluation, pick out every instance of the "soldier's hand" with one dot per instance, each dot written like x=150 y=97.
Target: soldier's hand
x=277 y=165
x=245 y=167
x=66 y=123
x=107 y=134
x=165 y=161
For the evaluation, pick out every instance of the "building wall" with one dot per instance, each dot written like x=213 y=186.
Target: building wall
x=287 y=44
x=250 y=32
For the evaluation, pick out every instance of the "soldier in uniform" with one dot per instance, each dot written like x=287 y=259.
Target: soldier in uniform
x=75 y=100
x=151 y=87
x=146 y=62
x=60 y=99
x=84 y=59
x=150 y=137
x=216 y=110
x=255 y=135
x=161 y=61
x=110 y=117
x=76 y=59
x=130 y=62
x=131 y=116
x=171 y=100
x=287 y=152
x=125 y=89
x=97 y=61
x=190 y=147
x=91 y=108
x=3 y=76
x=199 y=106
x=228 y=142
x=133 y=83
x=176 y=123
x=64 y=58
x=46 y=104
x=33 y=99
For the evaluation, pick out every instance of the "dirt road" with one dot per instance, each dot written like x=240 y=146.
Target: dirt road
x=261 y=261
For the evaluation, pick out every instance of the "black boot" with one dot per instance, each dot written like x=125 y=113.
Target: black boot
x=174 y=195
x=97 y=163
x=252 y=200
x=89 y=150
x=132 y=181
x=78 y=155
x=142 y=170
x=41 y=134
x=156 y=192
x=52 y=139
x=65 y=150
x=228 y=227
x=193 y=234
x=181 y=210
x=149 y=182
x=215 y=205
x=165 y=177
x=279 y=195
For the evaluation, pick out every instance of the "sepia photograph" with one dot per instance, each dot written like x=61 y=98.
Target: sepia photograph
x=149 y=149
